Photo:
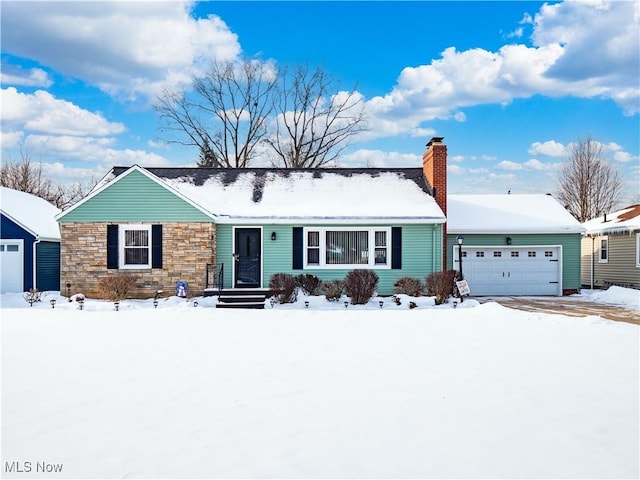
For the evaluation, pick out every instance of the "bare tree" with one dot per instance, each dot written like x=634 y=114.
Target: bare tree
x=588 y=185
x=315 y=120
x=26 y=176
x=226 y=115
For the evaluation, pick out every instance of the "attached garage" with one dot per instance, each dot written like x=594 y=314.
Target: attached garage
x=29 y=243
x=500 y=270
x=514 y=244
x=12 y=265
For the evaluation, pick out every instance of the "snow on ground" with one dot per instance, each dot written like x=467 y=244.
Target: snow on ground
x=477 y=391
x=626 y=297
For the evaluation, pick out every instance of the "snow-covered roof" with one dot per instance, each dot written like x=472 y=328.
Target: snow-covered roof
x=624 y=220
x=31 y=212
x=318 y=196
x=508 y=213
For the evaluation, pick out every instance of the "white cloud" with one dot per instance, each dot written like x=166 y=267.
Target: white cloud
x=42 y=112
x=16 y=75
x=581 y=49
x=618 y=153
x=549 y=149
x=128 y=49
x=10 y=139
x=508 y=165
x=89 y=149
x=532 y=164
x=380 y=158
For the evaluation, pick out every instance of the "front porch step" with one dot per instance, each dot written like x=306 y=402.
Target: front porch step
x=251 y=305
x=242 y=297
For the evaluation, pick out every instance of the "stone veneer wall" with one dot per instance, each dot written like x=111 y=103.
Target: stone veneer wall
x=186 y=250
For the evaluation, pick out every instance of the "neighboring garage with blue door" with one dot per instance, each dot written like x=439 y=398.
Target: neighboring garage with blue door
x=29 y=243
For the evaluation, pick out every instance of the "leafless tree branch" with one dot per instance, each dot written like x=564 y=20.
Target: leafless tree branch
x=588 y=186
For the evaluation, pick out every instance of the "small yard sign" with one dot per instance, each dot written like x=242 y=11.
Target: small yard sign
x=463 y=287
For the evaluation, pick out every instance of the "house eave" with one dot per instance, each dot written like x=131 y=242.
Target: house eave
x=323 y=220
x=514 y=231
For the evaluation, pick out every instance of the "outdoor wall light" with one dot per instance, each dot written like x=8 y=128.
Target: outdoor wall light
x=273 y=236
x=53 y=303
x=508 y=240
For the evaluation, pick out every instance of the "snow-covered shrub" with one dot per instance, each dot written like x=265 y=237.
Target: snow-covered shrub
x=32 y=296
x=117 y=286
x=408 y=286
x=333 y=290
x=361 y=285
x=284 y=287
x=440 y=285
x=310 y=284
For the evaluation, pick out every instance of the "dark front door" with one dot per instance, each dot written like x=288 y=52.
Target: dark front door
x=248 y=250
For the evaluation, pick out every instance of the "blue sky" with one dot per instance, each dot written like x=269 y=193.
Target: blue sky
x=510 y=85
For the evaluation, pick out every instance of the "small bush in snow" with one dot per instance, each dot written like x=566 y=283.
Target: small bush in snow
x=333 y=290
x=32 y=296
x=117 y=286
x=310 y=284
x=284 y=287
x=408 y=286
x=361 y=285
x=440 y=285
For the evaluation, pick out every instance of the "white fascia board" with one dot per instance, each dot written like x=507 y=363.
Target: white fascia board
x=150 y=176
x=515 y=231
x=223 y=219
x=611 y=230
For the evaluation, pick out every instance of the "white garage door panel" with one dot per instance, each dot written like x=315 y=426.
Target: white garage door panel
x=11 y=266
x=531 y=270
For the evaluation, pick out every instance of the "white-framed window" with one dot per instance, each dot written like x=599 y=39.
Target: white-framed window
x=603 y=255
x=338 y=247
x=135 y=246
x=638 y=250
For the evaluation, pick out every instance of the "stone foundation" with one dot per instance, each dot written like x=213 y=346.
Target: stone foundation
x=186 y=250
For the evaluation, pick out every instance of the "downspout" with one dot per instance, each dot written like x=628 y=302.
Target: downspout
x=35 y=270
x=593 y=243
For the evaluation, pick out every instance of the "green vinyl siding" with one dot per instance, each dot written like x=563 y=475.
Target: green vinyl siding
x=421 y=254
x=570 y=243
x=135 y=198
x=48 y=266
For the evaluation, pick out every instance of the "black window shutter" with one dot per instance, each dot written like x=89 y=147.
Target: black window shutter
x=112 y=246
x=156 y=246
x=396 y=248
x=298 y=253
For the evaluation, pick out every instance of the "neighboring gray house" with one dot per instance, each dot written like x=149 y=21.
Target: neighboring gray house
x=611 y=249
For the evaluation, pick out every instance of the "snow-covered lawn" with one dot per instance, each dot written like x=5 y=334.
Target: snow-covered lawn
x=479 y=391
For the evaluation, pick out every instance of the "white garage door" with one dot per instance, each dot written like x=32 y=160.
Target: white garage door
x=11 y=265
x=532 y=270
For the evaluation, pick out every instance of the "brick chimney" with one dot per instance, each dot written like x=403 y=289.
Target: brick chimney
x=434 y=166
